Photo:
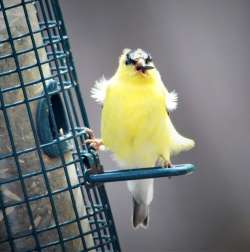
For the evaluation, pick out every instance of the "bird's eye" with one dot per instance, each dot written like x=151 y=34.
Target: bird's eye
x=148 y=59
x=130 y=61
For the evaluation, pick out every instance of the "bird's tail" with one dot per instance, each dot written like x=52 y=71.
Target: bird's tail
x=142 y=194
x=140 y=214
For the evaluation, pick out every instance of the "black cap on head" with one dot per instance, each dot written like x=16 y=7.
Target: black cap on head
x=133 y=55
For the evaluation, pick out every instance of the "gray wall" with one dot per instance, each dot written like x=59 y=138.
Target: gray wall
x=202 y=49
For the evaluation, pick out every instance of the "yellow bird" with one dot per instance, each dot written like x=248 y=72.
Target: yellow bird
x=135 y=123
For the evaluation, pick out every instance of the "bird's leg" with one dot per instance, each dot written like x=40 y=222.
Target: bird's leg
x=94 y=142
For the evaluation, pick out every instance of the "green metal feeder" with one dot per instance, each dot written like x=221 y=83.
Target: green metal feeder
x=52 y=196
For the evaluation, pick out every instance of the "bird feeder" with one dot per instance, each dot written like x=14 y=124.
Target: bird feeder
x=52 y=196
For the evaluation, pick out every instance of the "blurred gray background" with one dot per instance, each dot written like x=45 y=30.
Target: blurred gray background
x=202 y=49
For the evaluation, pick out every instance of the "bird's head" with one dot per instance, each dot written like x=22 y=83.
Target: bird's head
x=137 y=65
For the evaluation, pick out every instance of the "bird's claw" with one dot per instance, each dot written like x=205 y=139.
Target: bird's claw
x=93 y=142
x=161 y=161
x=167 y=164
x=90 y=133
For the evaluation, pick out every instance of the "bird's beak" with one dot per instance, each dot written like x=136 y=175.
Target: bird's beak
x=142 y=66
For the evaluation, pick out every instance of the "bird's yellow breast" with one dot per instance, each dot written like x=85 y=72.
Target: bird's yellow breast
x=134 y=121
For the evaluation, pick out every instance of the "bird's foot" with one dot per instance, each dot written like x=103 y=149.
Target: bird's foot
x=90 y=133
x=167 y=164
x=161 y=161
x=93 y=142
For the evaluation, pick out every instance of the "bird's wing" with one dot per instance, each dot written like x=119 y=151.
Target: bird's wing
x=171 y=100
x=178 y=143
x=98 y=92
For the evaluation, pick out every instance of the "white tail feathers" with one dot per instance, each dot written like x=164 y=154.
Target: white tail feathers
x=140 y=216
x=142 y=193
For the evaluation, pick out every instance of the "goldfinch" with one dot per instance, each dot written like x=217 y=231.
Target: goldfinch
x=135 y=123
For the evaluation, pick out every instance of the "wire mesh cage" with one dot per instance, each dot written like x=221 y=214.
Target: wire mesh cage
x=45 y=202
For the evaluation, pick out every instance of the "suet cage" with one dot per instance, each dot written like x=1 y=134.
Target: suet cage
x=52 y=196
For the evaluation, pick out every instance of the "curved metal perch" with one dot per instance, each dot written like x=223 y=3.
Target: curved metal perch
x=141 y=173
